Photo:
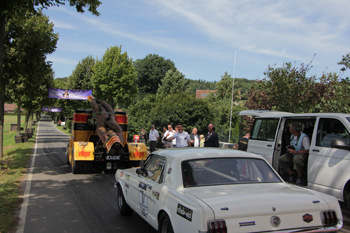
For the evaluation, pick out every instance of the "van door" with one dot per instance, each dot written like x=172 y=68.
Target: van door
x=263 y=136
x=328 y=168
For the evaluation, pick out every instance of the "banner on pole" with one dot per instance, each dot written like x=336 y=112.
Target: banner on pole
x=69 y=94
x=48 y=109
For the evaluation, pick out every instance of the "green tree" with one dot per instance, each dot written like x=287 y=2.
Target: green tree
x=289 y=89
x=139 y=114
x=150 y=72
x=35 y=39
x=220 y=103
x=17 y=9
x=79 y=80
x=182 y=108
x=174 y=82
x=224 y=88
x=345 y=62
x=114 y=78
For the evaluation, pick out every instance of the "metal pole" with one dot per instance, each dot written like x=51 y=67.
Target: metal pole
x=233 y=84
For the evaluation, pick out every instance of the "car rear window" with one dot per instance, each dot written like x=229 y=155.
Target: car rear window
x=226 y=171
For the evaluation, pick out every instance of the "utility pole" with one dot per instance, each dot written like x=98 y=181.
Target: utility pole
x=233 y=84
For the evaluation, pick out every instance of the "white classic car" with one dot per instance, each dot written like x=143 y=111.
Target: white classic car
x=217 y=190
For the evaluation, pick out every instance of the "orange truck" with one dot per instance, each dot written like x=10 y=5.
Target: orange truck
x=85 y=151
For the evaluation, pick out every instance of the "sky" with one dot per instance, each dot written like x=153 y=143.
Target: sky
x=202 y=37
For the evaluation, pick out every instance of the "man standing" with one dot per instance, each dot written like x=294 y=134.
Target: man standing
x=194 y=138
x=212 y=139
x=153 y=138
x=297 y=154
x=182 y=138
x=170 y=132
x=174 y=140
x=142 y=135
x=242 y=143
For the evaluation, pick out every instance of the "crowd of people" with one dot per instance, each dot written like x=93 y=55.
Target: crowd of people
x=179 y=138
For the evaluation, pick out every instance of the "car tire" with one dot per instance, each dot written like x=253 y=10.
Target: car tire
x=165 y=224
x=123 y=207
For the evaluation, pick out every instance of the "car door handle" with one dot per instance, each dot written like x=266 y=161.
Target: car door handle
x=316 y=150
x=269 y=145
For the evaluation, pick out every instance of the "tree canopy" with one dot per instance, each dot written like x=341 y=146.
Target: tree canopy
x=150 y=72
x=174 y=82
x=114 y=78
x=18 y=9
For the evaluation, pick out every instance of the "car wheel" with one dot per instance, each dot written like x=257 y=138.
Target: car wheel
x=165 y=224
x=123 y=207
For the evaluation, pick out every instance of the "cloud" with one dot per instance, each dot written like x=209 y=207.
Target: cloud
x=60 y=60
x=266 y=27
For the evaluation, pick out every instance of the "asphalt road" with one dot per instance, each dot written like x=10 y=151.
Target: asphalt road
x=55 y=200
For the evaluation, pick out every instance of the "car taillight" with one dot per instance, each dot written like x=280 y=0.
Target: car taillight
x=217 y=226
x=329 y=218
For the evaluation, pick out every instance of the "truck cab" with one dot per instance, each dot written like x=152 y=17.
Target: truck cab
x=328 y=165
x=85 y=151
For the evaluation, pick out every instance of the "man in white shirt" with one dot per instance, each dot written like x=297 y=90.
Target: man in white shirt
x=153 y=138
x=170 y=132
x=194 y=138
x=182 y=138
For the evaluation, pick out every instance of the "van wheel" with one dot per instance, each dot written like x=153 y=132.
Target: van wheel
x=165 y=224
x=123 y=207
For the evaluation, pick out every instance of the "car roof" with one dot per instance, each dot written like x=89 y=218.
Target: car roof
x=266 y=113
x=200 y=153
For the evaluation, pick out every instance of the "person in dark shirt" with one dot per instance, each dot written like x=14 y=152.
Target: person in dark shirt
x=242 y=143
x=212 y=139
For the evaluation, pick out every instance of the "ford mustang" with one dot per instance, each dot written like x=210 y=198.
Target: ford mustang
x=220 y=191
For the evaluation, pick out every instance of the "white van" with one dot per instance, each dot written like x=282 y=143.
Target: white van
x=328 y=167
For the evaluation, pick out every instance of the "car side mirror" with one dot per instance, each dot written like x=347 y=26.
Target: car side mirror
x=340 y=143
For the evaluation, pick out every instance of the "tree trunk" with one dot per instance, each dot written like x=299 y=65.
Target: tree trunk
x=19 y=117
x=26 y=120
x=2 y=82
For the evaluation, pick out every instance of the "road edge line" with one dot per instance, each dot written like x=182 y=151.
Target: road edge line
x=24 y=206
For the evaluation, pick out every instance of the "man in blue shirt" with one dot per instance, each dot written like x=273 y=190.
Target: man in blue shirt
x=296 y=156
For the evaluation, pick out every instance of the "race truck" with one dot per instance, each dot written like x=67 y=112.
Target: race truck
x=85 y=151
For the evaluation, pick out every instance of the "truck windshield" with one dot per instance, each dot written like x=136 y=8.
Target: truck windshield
x=226 y=171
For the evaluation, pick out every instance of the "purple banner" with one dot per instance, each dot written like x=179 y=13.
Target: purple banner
x=44 y=109
x=55 y=109
x=69 y=94
x=47 y=109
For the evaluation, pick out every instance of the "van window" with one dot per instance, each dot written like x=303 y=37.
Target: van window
x=265 y=129
x=328 y=129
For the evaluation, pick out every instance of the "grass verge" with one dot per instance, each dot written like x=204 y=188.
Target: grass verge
x=63 y=130
x=13 y=165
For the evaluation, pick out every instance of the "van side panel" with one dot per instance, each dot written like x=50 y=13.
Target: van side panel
x=328 y=168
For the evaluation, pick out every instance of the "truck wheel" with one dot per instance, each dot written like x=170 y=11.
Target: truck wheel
x=165 y=224
x=123 y=207
x=88 y=166
x=67 y=157
x=77 y=166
